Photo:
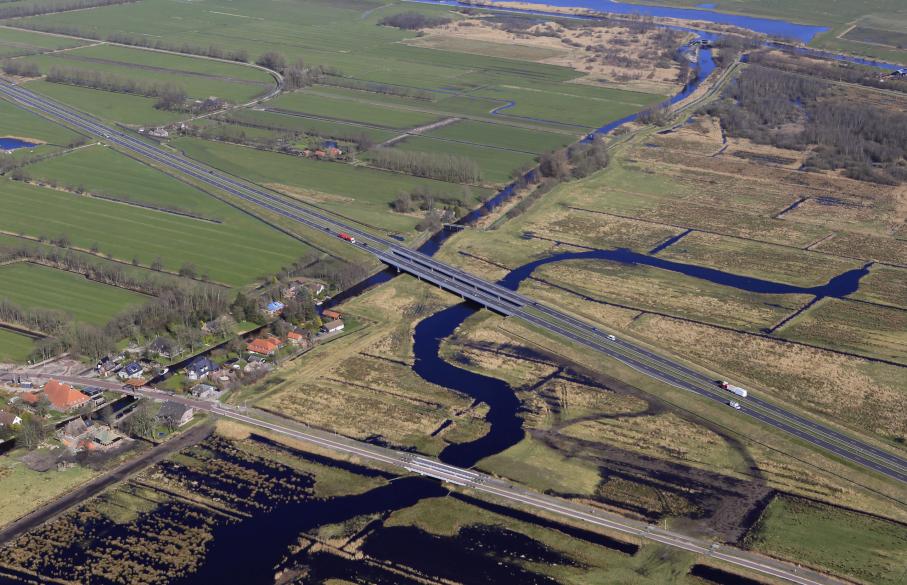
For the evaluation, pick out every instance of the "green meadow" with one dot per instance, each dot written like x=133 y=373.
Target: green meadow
x=32 y=286
x=234 y=252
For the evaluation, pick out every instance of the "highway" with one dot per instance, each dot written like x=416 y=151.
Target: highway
x=491 y=295
x=472 y=480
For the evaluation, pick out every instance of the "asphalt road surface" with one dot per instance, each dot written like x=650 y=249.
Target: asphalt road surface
x=491 y=295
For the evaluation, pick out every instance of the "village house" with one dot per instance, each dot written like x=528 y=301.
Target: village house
x=205 y=391
x=105 y=365
x=332 y=326
x=200 y=368
x=274 y=308
x=131 y=370
x=79 y=435
x=264 y=345
x=9 y=419
x=175 y=414
x=331 y=314
x=64 y=397
x=297 y=338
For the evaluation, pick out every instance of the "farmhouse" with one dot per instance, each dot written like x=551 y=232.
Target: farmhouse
x=64 y=397
x=296 y=338
x=333 y=326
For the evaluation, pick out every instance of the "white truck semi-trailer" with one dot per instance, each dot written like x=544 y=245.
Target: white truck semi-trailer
x=741 y=392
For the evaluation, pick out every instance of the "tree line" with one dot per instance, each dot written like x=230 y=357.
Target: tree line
x=440 y=166
x=373 y=87
x=137 y=40
x=413 y=21
x=425 y=199
x=169 y=96
x=21 y=68
x=23 y=9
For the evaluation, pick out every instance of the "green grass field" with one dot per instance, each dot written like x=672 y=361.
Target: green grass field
x=322 y=127
x=502 y=136
x=235 y=252
x=496 y=165
x=125 y=108
x=196 y=85
x=209 y=67
x=24 y=124
x=19 y=42
x=104 y=171
x=34 y=286
x=853 y=545
x=360 y=193
x=351 y=111
x=14 y=347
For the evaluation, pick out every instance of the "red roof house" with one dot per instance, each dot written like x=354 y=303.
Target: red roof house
x=264 y=345
x=28 y=397
x=64 y=397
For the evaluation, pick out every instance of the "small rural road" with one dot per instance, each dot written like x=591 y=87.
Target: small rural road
x=99 y=484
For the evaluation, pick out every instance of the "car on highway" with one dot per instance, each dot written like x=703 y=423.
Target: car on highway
x=612 y=338
x=733 y=404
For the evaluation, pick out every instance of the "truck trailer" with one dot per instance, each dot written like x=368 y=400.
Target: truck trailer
x=741 y=392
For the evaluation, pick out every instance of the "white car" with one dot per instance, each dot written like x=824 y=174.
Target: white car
x=734 y=404
x=612 y=338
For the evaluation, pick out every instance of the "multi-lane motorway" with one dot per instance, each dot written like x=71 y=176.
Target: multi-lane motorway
x=473 y=480
x=491 y=295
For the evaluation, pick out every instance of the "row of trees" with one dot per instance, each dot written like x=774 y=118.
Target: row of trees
x=21 y=68
x=444 y=167
x=103 y=272
x=23 y=9
x=170 y=96
x=413 y=20
x=360 y=138
x=372 y=87
x=424 y=199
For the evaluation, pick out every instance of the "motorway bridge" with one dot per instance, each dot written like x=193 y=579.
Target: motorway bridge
x=493 y=296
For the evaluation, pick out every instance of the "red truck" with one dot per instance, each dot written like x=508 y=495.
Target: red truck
x=347 y=237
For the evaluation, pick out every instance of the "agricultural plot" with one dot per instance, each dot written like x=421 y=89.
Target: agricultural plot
x=125 y=108
x=501 y=136
x=23 y=124
x=873 y=330
x=197 y=85
x=884 y=285
x=14 y=348
x=34 y=286
x=351 y=111
x=14 y=43
x=496 y=165
x=104 y=172
x=292 y=123
x=858 y=546
x=233 y=253
x=334 y=186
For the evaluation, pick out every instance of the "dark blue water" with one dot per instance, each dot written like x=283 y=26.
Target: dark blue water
x=776 y=28
x=506 y=428
x=838 y=287
x=14 y=143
